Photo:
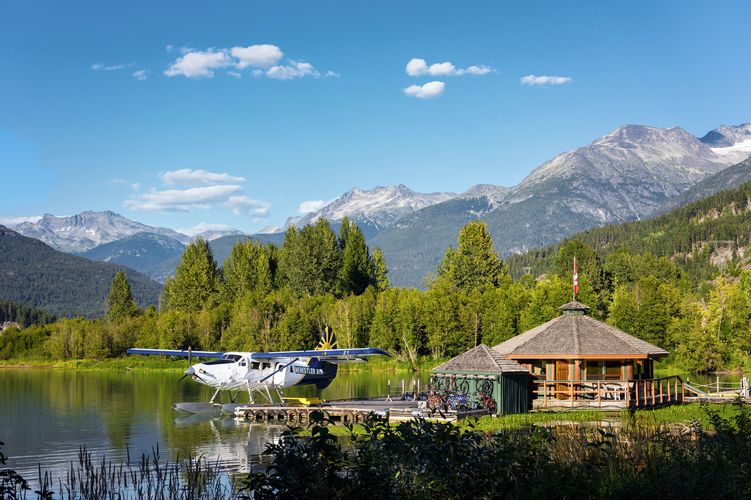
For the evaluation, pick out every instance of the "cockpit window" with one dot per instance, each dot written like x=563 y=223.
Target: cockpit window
x=227 y=358
x=254 y=365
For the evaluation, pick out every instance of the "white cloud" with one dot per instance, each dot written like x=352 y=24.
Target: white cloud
x=182 y=199
x=141 y=75
x=260 y=60
x=419 y=67
x=542 y=80
x=427 y=91
x=199 y=64
x=169 y=48
x=12 y=221
x=332 y=74
x=479 y=70
x=190 y=177
x=110 y=67
x=259 y=56
x=311 y=206
x=292 y=70
x=241 y=204
x=202 y=190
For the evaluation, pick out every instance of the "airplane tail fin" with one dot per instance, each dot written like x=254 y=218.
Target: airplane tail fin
x=328 y=339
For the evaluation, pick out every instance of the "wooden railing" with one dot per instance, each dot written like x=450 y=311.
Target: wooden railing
x=630 y=393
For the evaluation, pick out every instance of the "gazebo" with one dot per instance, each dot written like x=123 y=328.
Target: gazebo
x=575 y=360
x=483 y=372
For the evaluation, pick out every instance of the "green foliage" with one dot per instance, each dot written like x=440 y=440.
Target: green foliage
x=23 y=315
x=379 y=272
x=310 y=260
x=120 y=302
x=251 y=266
x=356 y=271
x=474 y=264
x=422 y=459
x=197 y=280
x=646 y=310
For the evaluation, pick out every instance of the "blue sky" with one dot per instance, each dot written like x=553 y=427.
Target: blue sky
x=235 y=113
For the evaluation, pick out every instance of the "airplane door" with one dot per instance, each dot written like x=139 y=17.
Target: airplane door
x=242 y=368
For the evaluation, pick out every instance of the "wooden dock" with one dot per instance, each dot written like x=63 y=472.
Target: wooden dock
x=344 y=412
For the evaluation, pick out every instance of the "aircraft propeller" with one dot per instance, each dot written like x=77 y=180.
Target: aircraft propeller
x=189 y=371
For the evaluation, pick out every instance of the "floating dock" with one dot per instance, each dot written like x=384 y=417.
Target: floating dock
x=345 y=412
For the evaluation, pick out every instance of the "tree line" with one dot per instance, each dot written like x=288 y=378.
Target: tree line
x=278 y=298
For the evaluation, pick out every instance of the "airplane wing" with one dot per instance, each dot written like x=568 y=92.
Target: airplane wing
x=175 y=352
x=334 y=355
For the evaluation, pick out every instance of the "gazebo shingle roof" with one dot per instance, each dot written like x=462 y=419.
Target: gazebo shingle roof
x=481 y=359
x=576 y=335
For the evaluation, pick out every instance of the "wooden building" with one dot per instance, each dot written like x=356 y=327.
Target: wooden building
x=482 y=372
x=576 y=361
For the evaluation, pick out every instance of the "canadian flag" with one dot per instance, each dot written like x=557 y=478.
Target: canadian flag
x=576 y=279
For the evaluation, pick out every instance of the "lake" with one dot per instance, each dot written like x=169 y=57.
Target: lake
x=47 y=414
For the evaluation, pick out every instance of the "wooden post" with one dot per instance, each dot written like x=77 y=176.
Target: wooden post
x=717 y=380
x=683 y=392
x=599 y=399
x=636 y=388
x=571 y=392
x=661 y=401
x=668 y=390
x=653 y=392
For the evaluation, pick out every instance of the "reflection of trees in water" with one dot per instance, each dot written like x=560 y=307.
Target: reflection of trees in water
x=57 y=410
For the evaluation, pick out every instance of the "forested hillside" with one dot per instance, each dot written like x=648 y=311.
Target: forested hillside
x=703 y=238
x=33 y=274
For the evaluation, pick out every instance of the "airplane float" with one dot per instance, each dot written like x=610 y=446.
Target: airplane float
x=263 y=372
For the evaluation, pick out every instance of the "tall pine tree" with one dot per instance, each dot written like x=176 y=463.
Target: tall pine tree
x=310 y=260
x=379 y=271
x=197 y=280
x=355 y=273
x=120 y=302
x=474 y=264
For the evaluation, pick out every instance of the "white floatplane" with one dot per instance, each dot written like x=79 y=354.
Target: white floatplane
x=264 y=372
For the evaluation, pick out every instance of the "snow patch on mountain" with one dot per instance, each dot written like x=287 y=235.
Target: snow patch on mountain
x=84 y=231
x=379 y=207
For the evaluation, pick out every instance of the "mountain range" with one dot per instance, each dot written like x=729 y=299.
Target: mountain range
x=632 y=173
x=87 y=230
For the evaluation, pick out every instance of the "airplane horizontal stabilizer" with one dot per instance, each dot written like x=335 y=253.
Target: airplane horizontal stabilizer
x=175 y=352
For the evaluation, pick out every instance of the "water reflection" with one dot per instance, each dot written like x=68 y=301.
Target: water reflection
x=47 y=414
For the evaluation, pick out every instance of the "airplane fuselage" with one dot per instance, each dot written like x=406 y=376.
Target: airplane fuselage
x=238 y=370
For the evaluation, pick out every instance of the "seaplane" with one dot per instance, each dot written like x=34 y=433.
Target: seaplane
x=263 y=372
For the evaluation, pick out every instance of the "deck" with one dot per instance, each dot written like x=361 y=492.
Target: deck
x=608 y=394
x=347 y=412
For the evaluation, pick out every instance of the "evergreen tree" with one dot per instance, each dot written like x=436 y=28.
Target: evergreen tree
x=120 y=302
x=311 y=260
x=248 y=268
x=197 y=280
x=645 y=310
x=379 y=271
x=355 y=273
x=474 y=264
